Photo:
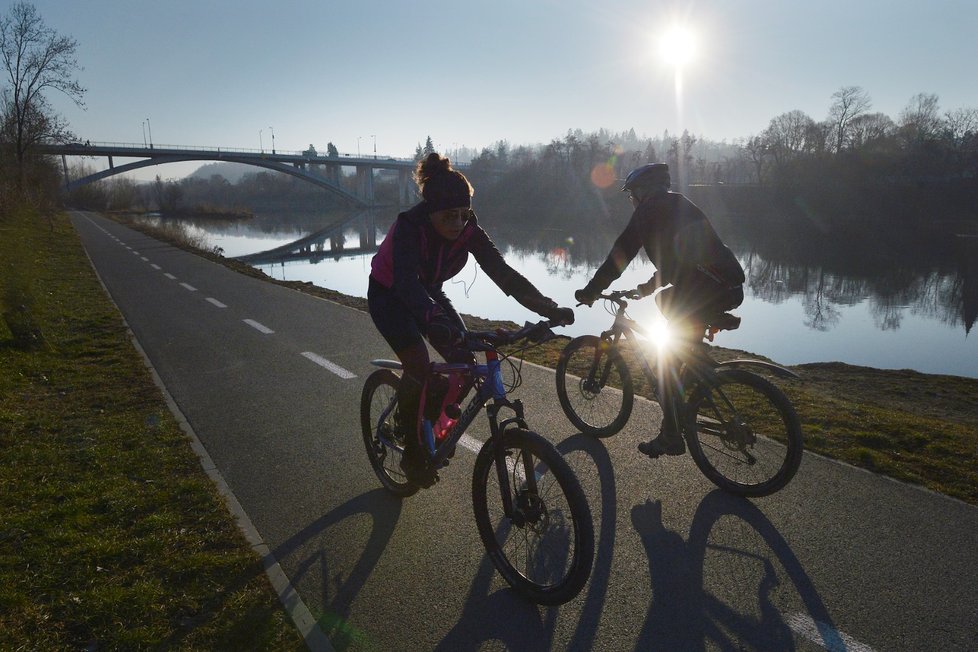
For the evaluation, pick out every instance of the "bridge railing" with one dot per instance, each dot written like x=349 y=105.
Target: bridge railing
x=238 y=150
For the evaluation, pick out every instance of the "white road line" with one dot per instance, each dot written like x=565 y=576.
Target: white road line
x=134 y=252
x=189 y=287
x=145 y=258
x=155 y=266
x=329 y=366
x=216 y=302
x=259 y=327
x=170 y=276
x=471 y=443
x=825 y=635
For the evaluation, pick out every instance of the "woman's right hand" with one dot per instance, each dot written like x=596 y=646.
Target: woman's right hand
x=442 y=331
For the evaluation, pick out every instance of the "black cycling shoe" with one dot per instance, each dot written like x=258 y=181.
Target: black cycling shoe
x=664 y=444
x=416 y=468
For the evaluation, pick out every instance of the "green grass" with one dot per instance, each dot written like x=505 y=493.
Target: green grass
x=111 y=535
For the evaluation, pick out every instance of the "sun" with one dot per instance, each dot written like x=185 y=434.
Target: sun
x=678 y=46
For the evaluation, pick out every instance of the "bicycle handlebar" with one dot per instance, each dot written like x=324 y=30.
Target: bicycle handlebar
x=535 y=332
x=618 y=296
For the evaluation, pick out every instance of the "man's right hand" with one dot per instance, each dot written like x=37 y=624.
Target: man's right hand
x=585 y=296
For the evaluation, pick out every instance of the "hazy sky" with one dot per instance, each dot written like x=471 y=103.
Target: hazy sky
x=226 y=73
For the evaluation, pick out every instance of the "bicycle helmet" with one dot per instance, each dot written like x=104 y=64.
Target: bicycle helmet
x=648 y=177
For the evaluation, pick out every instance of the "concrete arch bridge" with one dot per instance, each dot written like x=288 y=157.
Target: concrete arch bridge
x=321 y=170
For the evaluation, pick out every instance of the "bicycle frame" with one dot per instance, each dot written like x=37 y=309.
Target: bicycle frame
x=693 y=361
x=489 y=389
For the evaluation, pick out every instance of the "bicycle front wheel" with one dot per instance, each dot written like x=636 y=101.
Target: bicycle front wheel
x=383 y=447
x=743 y=433
x=594 y=386
x=545 y=548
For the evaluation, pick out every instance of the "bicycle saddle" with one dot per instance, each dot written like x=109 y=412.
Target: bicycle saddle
x=724 y=322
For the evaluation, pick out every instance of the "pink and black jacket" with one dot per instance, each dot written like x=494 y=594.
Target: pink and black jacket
x=413 y=261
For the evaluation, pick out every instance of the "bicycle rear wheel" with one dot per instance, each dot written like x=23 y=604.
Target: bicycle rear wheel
x=545 y=549
x=743 y=433
x=594 y=386
x=383 y=447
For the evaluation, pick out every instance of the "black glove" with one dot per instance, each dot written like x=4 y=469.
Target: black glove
x=442 y=331
x=585 y=296
x=561 y=316
x=650 y=286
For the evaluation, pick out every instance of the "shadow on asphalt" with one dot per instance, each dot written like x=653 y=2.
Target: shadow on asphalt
x=384 y=511
x=683 y=614
x=506 y=617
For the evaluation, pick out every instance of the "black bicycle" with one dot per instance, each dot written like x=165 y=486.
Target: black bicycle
x=531 y=512
x=742 y=431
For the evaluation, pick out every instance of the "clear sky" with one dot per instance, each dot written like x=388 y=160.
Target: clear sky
x=392 y=72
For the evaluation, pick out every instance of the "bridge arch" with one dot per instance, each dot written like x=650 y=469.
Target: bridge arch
x=276 y=166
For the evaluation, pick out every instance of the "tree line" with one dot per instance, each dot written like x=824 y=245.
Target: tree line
x=854 y=169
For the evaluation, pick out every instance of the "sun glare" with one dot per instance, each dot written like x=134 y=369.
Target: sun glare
x=660 y=335
x=677 y=46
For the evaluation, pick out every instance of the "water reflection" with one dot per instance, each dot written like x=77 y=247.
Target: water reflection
x=806 y=301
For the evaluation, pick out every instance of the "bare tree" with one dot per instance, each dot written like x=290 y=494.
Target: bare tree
x=849 y=102
x=786 y=135
x=869 y=128
x=36 y=59
x=756 y=151
x=961 y=125
x=920 y=120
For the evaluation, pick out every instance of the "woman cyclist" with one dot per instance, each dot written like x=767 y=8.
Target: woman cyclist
x=427 y=245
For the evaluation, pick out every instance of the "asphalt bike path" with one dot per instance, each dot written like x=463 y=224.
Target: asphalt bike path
x=269 y=379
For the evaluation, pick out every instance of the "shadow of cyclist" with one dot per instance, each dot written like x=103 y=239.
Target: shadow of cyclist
x=683 y=613
x=524 y=625
x=339 y=592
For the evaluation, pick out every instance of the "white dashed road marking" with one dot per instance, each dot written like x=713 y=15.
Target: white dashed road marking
x=825 y=635
x=330 y=366
x=216 y=302
x=259 y=327
x=189 y=287
x=155 y=266
x=170 y=276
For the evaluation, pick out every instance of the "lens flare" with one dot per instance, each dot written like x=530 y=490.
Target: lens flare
x=660 y=334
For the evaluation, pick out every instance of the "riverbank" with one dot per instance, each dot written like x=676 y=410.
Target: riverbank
x=915 y=427
x=111 y=535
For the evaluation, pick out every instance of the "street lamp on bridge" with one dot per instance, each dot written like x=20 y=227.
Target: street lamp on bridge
x=374 y=136
x=148 y=125
x=273 y=140
x=261 y=143
x=144 y=133
x=358 y=146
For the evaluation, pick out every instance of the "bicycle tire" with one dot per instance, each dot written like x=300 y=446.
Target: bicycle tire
x=546 y=550
x=743 y=433
x=598 y=410
x=379 y=390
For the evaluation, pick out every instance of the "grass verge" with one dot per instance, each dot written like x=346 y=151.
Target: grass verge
x=111 y=534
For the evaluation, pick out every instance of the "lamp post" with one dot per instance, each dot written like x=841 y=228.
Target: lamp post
x=144 y=133
x=358 y=146
x=374 y=136
x=261 y=143
x=273 y=140
x=150 y=127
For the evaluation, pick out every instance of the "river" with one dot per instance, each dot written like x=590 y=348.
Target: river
x=793 y=313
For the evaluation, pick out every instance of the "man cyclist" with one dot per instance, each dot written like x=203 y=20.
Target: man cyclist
x=705 y=277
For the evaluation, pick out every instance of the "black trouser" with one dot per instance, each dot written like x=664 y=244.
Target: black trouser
x=405 y=335
x=688 y=308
